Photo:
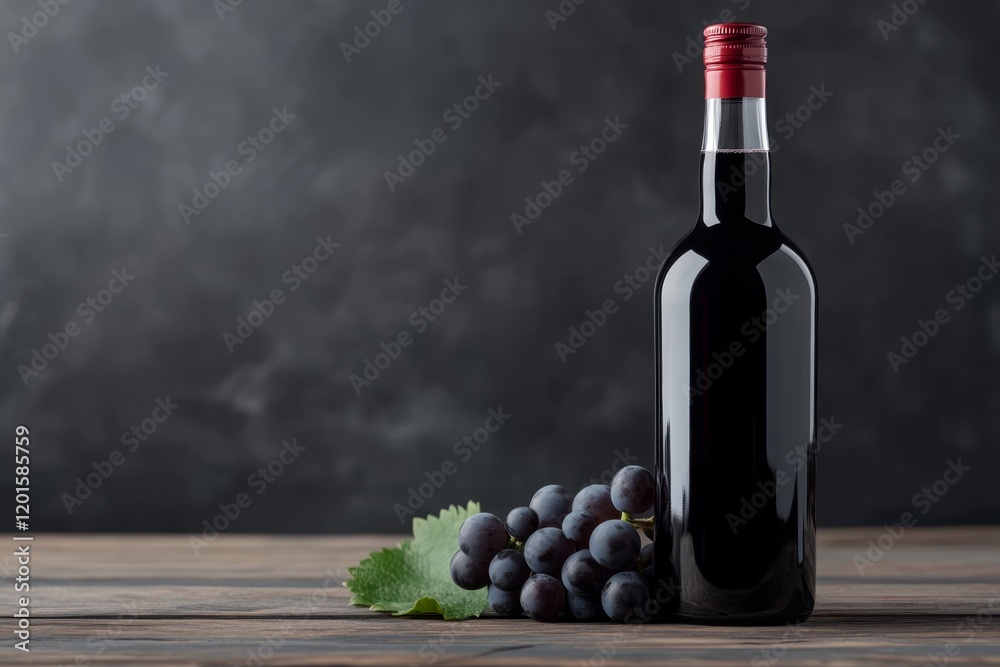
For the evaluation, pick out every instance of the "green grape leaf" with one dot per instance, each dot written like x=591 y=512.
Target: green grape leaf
x=413 y=578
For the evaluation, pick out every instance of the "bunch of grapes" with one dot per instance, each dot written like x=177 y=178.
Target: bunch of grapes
x=581 y=556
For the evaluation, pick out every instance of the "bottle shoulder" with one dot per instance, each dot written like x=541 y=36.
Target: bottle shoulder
x=714 y=253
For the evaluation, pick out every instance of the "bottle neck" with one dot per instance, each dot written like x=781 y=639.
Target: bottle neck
x=735 y=169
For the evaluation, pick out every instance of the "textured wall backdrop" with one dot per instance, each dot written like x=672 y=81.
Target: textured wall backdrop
x=265 y=90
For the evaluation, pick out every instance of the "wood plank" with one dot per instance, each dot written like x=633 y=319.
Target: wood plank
x=896 y=598
x=849 y=639
x=246 y=599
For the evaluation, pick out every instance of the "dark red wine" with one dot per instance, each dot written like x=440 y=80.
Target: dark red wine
x=736 y=376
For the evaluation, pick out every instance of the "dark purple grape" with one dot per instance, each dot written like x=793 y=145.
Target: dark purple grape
x=508 y=570
x=646 y=555
x=521 y=523
x=504 y=603
x=546 y=551
x=482 y=536
x=582 y=575
x=624 y=598
x=596 y=499
x=467 y=573
x=633 y=490
x=615 y=544
x=585 y=607
x=551 y=503
x=578 y=525
x=543 y=598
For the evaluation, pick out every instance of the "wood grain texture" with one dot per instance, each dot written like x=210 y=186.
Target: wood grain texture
x=252 y=600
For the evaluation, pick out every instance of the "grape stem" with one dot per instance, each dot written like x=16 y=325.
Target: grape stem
x=641 y=523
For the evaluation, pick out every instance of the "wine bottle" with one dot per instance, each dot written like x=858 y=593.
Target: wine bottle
x=736 y=375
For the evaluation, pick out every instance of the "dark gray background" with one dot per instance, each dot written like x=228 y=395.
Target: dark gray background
x=494 y=346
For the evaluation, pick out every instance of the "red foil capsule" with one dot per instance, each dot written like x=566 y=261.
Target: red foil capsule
x=735 y=55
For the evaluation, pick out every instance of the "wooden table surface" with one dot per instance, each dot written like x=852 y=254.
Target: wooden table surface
x=276 y=600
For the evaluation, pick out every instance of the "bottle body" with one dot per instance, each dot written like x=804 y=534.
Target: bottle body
x=735 y=466
x=736 y=332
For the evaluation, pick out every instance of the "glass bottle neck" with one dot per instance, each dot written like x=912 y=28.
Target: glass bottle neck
x=735 y=169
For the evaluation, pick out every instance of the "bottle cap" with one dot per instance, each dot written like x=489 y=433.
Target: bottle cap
x=735 y=55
